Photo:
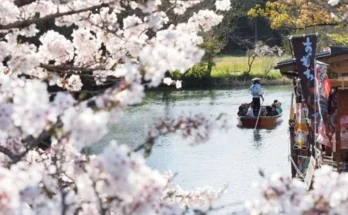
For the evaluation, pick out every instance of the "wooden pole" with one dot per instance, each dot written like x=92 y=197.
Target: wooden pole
x=293 y=152
x=338 y=130
x=258 y=116
x=291 y=117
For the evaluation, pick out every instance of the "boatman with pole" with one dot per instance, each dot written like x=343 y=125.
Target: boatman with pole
x=256 y=92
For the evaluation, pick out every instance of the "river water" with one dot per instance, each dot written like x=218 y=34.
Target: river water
x=231 y=157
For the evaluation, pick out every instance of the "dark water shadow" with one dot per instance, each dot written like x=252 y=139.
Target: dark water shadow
x=257 y=138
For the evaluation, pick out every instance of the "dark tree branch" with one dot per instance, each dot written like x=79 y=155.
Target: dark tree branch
x=66 y=68
x=314 y=25
x=103 y=210
x=21 y=3
x=26 y=23
x=32 y=143
x=7 y=152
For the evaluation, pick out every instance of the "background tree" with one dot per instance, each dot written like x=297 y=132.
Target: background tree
x=214 y=40
x=262 y=50
x=294 y=14
x=302 y=16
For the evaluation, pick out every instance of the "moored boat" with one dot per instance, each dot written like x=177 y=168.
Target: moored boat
x=267 y=122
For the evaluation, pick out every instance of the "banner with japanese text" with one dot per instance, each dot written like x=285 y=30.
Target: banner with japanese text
x=304 y=50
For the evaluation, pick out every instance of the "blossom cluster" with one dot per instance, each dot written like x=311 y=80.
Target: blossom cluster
x=100 y=47
x=102 y=41
x=283 y=195
x=42 y=131
x=261 y=50
x=117 y=182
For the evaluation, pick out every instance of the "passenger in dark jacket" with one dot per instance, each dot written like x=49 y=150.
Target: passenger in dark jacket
x=271 y=111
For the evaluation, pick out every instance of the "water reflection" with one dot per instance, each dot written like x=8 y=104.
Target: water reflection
x=166 y=101
x=212 y=97
x=257 y=138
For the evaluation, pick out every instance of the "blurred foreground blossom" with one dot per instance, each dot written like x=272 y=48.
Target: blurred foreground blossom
x=283 y=195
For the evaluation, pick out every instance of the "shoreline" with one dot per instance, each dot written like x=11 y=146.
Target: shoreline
x=230 y=82
x=216 y=83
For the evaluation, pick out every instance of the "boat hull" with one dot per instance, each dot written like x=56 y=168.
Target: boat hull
x=264 y=121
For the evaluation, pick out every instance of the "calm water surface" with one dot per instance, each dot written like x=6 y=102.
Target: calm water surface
x=231 y=157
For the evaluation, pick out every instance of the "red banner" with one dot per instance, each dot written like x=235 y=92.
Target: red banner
x=322 y=92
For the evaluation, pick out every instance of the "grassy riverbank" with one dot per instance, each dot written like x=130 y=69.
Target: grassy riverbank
x=234 y=67
x=230 y=71
x=227 y=82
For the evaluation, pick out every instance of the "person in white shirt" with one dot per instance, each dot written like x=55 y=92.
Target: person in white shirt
x=250 y=111
x=256 y=92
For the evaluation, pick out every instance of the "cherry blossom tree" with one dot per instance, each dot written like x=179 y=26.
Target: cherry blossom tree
x=44 y=125
x=262 y=50
x=283 y=195
x=122 y=46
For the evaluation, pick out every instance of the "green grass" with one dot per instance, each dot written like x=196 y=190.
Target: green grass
x=235 y=67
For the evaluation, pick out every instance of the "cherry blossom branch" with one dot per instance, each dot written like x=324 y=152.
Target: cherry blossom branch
x=197 y=126
x=28 y=22
x=32 y=116
x=31 y=144
x=103 y=210
x=62 y=192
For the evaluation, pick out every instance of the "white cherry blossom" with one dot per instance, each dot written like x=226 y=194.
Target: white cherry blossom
x=55 y=47
x=333 y=2
x=74 y=83
x=223 y=5
x=119 y=46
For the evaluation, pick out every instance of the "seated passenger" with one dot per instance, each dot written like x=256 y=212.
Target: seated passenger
x=271 y=111
x=243 y=109
x=274 y=110
x=263 y=111
x=250 y=111
x=278 y=106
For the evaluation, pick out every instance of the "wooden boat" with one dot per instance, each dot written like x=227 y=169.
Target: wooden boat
x=264 y=121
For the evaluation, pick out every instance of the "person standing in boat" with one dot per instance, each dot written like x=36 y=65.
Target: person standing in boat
x=256 y=92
